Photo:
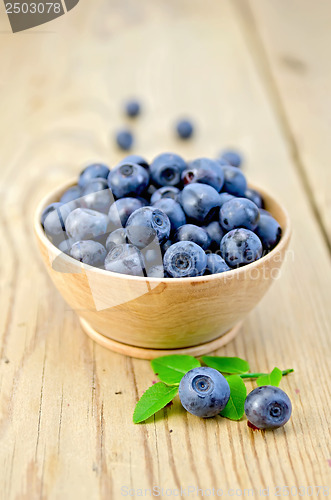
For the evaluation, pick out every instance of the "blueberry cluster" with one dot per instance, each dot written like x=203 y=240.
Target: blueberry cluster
x=169 y=218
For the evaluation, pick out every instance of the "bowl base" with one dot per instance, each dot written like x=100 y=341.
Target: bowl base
x=146 y=353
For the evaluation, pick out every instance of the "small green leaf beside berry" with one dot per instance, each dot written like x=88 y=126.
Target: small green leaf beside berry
x=234 y=410
x=153 y=400
x=226 y=364
x=171 y=369
x=272 y=378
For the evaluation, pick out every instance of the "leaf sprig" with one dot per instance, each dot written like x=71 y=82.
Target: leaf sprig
x=171 y=369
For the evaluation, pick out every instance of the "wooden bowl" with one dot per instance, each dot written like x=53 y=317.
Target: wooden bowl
x=149 y=317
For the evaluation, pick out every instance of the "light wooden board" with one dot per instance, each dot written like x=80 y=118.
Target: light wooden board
x=292 y=47
x=66 y=404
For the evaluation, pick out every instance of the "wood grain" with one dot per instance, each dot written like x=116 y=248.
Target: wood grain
x=66 y=403
x=292 y=47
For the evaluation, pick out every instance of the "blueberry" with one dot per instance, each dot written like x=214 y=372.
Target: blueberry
x=137 y=159
x=184 y=129
x=268 y=407
x=190 y=232
x=97 y=196
x=65 y=245
x=124 y=139
x=121 y=210
x=166 y=245
x=224 y=197
x=91 y=172
x=240 y=247
x=200 y=202
x=125 y=259
x=232 y=157
x=205 y=171
x=128 y=179
x=173 y=210
x=89 y=252
x=255 y=197
x=152 y=255
x=215 y=264
x=50 y=208
x=146 y=224
x=155 y=272
x=132 y=108
x=117 y=237
x=85 y=224
x=234 y=181
x=185 y=259
x=204 y=392
x=166 y=169
x=268 y=230
x=239 y=212
x=71 y=194
x=215 y=233
x=54 y=217
x=165 y=192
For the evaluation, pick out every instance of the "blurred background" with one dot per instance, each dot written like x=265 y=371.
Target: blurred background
x=251 y=74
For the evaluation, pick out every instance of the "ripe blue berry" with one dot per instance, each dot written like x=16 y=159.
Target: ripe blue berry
x=54 y=217
x=128 y=179
x=165 y=192
x=146 y=224
x=200 y=202
x=121 y=210
x=166 y=169
x=234 y=181
x=254 y=196
x=240 y=247
x=184 y=259
x=215 y=233
x=132 y=108
x=125 y=259
x=85 y=224
x=191 y=232
x=239 y=212
x=205 y=171
x=137 y=159
x=89 y=252
x=204 y=392
x=97 y=196
x=173 y=210
x=71 y=194
x=184 y=129
x=124 y=139
x=215 y=264
x=269 y=231
x=232 y=157
x=91 y=172
x=224 y=197
x=268 y=407
x=117 y=237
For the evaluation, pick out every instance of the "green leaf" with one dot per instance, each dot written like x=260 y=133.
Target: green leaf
x=153 y=400
x=272 y=378
x=226 y=364
x=234 y=410
x=171 y=369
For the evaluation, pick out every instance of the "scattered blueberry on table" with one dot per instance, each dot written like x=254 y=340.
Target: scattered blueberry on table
x=132 y=108
x=268 y=407
x=124 y=139
x=168 y=218
x=184 y=129
x=204 y=392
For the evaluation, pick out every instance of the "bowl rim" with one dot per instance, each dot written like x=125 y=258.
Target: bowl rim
x=55 y=193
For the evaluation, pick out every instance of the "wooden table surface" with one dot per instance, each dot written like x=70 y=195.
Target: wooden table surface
x=255 y=74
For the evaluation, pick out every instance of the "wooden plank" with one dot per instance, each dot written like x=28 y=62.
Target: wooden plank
x=295 y=48
x=65 y=433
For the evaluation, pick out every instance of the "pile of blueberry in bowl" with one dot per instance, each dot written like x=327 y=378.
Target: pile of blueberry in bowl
x=167 y=219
